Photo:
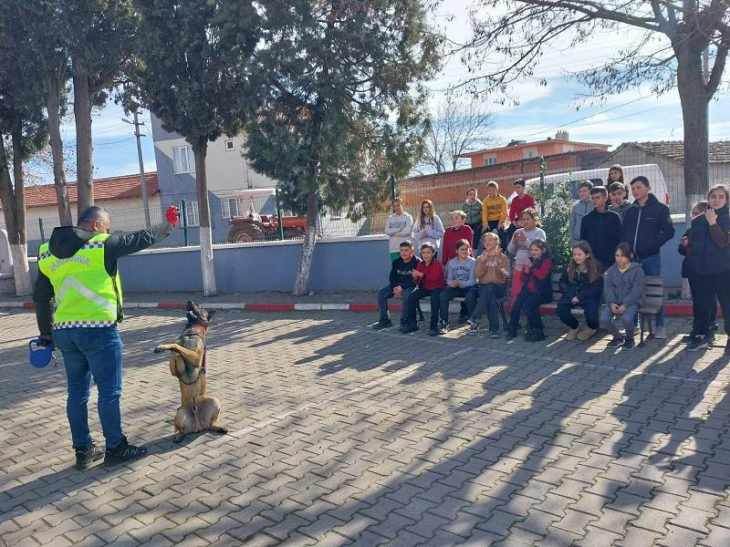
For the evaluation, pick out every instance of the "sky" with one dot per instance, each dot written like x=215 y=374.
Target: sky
x=636 y=115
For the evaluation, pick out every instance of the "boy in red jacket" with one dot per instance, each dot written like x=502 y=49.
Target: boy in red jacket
x=429 y=279
x=453 y=234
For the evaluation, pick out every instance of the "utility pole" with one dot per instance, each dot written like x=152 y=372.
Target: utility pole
x=143 y=179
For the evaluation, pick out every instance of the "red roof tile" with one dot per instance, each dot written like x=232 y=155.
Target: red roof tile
x=719 y=150
x=104 y=189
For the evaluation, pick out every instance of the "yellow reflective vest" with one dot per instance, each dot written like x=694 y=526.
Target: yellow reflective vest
x=84 y=292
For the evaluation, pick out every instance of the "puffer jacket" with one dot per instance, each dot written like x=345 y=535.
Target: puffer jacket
x=703 y=256
x=647 y=227
x=580 y=287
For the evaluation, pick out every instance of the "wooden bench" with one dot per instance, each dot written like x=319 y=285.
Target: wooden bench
x=651 y=302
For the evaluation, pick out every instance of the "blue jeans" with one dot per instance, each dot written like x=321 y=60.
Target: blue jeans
x=387 y=292
x=652 y=265
x=93 y=352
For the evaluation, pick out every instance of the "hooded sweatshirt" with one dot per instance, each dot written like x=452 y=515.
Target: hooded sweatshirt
x=647 y=227
x=624 y=289
x=602 y=231
x=621 y=209
x=462 y=272
x=494 y=209
x=492 y=268
x=398 y=228
x=434 y=231
x=579 y=211
x=67 y=240
x=433 y=275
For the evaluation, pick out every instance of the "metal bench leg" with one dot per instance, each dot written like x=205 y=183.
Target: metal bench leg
x=641 y=329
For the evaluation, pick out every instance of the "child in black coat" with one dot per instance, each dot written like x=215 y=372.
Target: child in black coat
x=582 y=286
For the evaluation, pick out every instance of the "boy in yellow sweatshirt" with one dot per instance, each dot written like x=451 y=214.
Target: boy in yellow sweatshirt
x=494 y=213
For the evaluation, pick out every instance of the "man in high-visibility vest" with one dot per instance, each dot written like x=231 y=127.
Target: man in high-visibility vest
x=77 y=269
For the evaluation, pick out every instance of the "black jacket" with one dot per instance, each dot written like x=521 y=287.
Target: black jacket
x=64 y=243
x=400 y=273
x=580 y=287
x=702 y=255
x=603 y=232
x=647 y=227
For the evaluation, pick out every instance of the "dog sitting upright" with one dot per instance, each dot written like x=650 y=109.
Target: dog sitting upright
x=198 y=412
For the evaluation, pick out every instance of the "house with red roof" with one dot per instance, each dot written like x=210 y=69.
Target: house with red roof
x=121 y=196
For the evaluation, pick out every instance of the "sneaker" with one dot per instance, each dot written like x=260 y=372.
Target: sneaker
x=443 y=327
x=494 y=334
x=616 y=342
x=586 y=334
x=383 y=324
x=571 y=334
x=538 y=335
x=700 y=342
x=123 y=453
x=689 y=337
x=628 y=345
x=511 y=334
x=473 y=327
x=529 y=335
x=86 y=455
x=660 y=333
x=433 y=331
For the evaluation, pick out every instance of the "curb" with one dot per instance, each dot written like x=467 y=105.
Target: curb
x=669 y=309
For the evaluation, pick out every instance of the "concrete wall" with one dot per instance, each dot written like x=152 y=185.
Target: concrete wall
x=348 y=264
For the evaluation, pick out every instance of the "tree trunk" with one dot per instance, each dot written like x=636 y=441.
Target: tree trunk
x=14 y=211
x=200 y=150
x=59 y=169
x=695 y=105
x=301 y=284
x=84 y=150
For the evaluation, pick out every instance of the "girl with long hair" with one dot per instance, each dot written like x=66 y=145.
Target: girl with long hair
x=582 y=286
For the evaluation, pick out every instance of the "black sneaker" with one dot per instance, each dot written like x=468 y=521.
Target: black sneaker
x=123 y=453
x=511 y=334
x=700 y=342
x=433 y=331
x=409 y=328
x=443 y=327
x=689 y=337
x=628 y=345
x=473 y=327
x=383 y=324
x=538 y=335
x=616 y=342
x=86 y=455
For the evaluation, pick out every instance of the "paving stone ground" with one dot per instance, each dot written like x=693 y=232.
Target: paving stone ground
x=341 y=435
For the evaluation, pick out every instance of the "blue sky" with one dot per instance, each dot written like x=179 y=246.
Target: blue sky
x=633 y=116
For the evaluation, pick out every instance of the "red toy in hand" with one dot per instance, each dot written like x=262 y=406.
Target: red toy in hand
x=172 y=215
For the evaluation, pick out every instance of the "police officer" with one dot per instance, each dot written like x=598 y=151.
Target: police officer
x=78 y=269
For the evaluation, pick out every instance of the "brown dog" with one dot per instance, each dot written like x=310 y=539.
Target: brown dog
x=198 y=412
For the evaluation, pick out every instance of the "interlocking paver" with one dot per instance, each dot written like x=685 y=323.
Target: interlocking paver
x=341 y=435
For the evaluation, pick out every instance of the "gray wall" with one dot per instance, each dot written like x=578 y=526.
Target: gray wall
x=345 y=264
x=348 y=264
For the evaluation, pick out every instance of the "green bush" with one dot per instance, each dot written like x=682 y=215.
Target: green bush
x=556 y=201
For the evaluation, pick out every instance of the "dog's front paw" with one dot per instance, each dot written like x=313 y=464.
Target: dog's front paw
x=179 y=438
x=159 y=349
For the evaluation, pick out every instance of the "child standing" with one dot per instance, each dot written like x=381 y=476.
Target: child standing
x=519 y=203
x=623 y=289
x=398 y=228
x=708 y=266
x=619 y=203
x=473 y=209
x=454 y=233
x=581 y=285
x=685 y=249
x=520 y=246
x=429 y=279
x=428 y=227
x=494 y=213
x=492 y=273
x=460 y=282
x=536 y=290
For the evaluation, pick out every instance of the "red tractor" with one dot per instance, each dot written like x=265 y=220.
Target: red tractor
x=265 y=228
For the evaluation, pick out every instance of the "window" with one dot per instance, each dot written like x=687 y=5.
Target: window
x=191 y=213
x=229 y=146
x=230 y=208
x=183 y=159
x=491 y=160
